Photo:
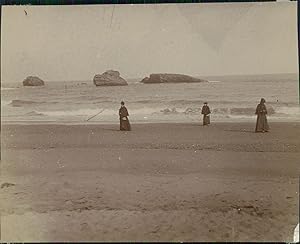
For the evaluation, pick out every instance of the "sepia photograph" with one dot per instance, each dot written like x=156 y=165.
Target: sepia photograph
x=150 y=122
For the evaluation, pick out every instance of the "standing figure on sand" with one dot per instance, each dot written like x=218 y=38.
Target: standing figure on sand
x=124 y=121
x=205 y=111
x=261 y=122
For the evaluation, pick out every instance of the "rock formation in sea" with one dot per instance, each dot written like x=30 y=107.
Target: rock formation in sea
x=109 y=78
x=171 y=78
x=33 y=81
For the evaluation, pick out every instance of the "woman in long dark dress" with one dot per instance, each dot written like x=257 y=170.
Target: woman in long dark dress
x=205 y=111
x=261 y=112
x=124 y=121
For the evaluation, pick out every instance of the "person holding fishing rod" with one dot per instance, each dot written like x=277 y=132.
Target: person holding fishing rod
x=123 y=114
x=124 y=121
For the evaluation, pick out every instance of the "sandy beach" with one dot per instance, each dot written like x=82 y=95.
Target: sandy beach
x=159 y=182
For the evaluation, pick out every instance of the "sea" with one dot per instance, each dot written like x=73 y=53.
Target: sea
x=230 y=98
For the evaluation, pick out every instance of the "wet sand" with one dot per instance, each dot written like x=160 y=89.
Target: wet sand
x=159 y=182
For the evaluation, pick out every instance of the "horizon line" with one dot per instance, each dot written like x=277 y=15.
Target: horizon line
x=135 y=78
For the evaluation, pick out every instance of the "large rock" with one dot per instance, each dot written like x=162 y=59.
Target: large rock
x=33 y=81
x=109 y=78
x=171 y=78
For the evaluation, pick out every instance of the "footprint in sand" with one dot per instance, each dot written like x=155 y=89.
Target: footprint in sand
x=6 y=184
x=84 y=226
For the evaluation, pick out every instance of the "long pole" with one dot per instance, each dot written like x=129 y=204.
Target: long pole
x=95 y=114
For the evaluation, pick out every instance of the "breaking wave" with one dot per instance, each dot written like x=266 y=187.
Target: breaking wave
x=8 y=88
x=227 y=111
x=23 y=103
x=34 y=113
x=246 y=111
x=20 y=103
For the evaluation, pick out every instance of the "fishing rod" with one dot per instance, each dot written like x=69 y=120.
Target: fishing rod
x=96 y=114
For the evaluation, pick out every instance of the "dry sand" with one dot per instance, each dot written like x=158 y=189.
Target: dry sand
x=159 y=182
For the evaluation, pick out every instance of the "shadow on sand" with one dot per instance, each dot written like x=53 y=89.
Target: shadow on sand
x=245 y=131
x=111 y=129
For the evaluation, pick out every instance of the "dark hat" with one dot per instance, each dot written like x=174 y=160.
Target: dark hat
x=205 y=102
x=122 y=103
x=262 y=100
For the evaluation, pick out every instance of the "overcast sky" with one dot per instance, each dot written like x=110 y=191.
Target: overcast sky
x=76 y=42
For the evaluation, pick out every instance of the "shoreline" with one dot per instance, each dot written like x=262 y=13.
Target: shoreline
x=105 y=123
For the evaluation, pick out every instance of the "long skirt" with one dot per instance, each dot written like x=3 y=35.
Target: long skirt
x=261 y=123
x=206 y=119
x=124 y=124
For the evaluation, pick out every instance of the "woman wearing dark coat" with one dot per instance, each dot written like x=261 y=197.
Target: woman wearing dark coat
x=205 y=111
x=124 y=121
x=261 y=112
